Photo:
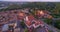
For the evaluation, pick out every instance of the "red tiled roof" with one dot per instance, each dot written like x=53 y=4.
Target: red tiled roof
x=21 y=16
x=36 y=22
x=28 y=23
x=30 y=17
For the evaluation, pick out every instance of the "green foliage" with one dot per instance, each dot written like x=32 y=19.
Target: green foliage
x=57 y=24
x=28 y=5
x=34 y=5
x=23 y=24
x=56 y=15
x=13 y=7
x=25 y=30
x=48 y=21
x=4 y=9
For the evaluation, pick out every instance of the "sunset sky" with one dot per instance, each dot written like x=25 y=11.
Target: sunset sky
x=34 y=0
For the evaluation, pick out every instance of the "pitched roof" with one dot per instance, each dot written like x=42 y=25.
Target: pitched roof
x=30 y=17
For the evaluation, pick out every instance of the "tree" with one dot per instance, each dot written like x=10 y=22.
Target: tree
x=57 y=24
x=13 y=7
x=23 y=24
x=25 y=30
x=50 y=6
x=48 y=21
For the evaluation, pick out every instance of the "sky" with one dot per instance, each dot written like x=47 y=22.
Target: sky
x=33 y=0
